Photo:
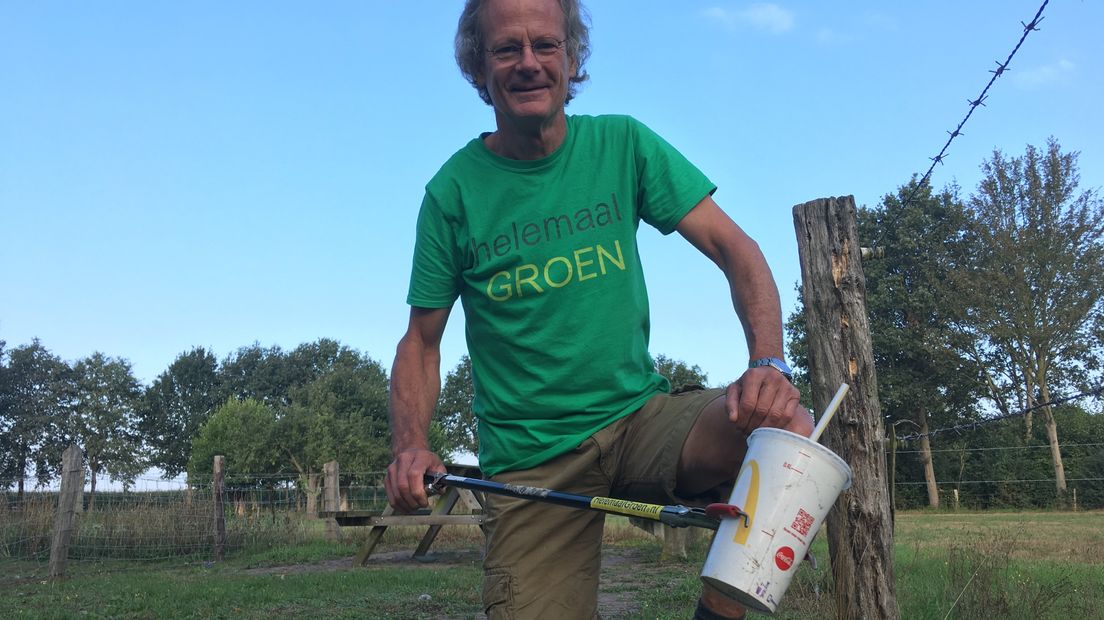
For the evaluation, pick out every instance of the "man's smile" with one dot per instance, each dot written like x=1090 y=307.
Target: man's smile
x=528 y=88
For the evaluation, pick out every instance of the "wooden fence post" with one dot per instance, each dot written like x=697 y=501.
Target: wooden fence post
x=217 y=490
x=860 y=526
x=331 y=497
x=312 y=495
x=676 y=540
x=72 y=484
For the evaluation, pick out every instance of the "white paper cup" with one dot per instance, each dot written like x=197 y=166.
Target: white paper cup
x=786 y=486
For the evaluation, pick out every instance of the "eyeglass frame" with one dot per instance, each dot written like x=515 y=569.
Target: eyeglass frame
x=558 y=46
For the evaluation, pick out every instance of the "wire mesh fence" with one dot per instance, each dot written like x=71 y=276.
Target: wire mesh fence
x=175 y=521
x=980 y=495
x=1004 y=477
x=171 y=521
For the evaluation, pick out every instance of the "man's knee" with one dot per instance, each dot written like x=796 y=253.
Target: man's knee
x=712 y=453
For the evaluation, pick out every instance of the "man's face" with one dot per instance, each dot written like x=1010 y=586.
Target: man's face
x=534 y=85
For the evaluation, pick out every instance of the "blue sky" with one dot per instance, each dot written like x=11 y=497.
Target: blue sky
x=214 y=174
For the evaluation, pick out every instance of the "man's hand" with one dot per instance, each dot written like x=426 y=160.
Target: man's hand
x=763 y=397
x=405 y=479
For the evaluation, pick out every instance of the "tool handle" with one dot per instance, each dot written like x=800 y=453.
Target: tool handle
x=676 y=516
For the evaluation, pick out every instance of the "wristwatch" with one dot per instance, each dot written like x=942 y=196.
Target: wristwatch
x=775 y=363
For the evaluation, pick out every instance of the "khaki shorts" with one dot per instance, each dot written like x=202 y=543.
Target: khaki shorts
x=543 y=560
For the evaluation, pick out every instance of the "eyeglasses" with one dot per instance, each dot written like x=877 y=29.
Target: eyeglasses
x=542 y=48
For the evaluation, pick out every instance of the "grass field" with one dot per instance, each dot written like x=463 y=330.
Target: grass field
x=967 y=565
x=961 y=565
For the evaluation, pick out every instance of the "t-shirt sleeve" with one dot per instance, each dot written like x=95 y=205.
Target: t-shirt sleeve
x=435 y=276
x=670 y=186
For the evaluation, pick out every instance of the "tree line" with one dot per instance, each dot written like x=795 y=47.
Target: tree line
x=271 y=411
x=989 y=304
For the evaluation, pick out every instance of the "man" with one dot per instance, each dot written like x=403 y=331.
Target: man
x=533 y=227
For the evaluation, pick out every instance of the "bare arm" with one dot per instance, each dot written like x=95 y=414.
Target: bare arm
x=415 y=386
x=762 y=396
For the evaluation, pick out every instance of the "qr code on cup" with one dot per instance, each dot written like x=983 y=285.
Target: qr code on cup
x=802 y=522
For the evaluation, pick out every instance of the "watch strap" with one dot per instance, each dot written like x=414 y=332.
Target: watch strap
x=774 y=362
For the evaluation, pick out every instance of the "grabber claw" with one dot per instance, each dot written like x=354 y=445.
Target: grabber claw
x=435 y=483
x=727 y=511
x=811 y=559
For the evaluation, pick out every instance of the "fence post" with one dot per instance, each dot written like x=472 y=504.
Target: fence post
x=675 y=543
x=72 y=484
x=892 y=472
x=312 y=495
x=860 y=526
x=331 y=498
x=217 y=491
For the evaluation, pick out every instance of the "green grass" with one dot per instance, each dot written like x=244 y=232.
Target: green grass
x=223 y=593
x=997 y=565
x=968 y=565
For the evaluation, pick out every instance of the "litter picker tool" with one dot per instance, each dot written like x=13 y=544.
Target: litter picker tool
x=675 y=516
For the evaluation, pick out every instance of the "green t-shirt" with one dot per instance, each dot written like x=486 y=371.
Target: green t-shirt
x=543 y=256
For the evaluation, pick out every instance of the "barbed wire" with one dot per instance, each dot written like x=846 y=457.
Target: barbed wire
x=1028 y=28
x=961 y=428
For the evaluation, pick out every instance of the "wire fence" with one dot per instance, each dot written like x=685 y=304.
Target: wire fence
x=174 y=522
x=1001 y=494
x=999 y=476
x=977 y=424
x=165 y=523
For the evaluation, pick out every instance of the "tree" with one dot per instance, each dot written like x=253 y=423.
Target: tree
x=309 y=361
x=797 y=347
x=243 y=432
x=341 y=415
x=679 y=374
x=104 y=419
x=921 y=374
x=1034 y=280
x=175 y=406
x=454 y=410
x=322 y=401
x=272 y=376
x=35 y=395
x=257 y=373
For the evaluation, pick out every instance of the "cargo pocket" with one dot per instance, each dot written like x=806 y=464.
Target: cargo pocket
x=498 y=594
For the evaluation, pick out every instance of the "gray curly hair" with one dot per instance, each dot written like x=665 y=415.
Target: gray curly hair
x=470 y=45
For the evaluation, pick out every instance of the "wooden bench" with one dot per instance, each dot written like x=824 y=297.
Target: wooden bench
x=434 y=518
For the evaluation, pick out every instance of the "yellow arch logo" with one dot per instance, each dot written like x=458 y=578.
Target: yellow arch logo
x=743 y=526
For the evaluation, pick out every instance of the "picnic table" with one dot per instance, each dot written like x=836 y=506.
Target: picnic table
x=434 y=518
